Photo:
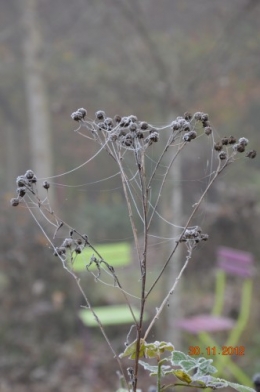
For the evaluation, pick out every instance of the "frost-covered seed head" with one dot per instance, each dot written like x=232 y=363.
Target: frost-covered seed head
x=187 y=116
x=14 y=202
x=232 y=140
x=21 y=181
x=29 y=174
x=21 y=191
x=222 y=155
x=175 y=125
x=224 y=141
x=218 y=146
x=243 y=141
x=100 y=115
x=143 y=125
x=133 y=118
x=79 y=114
x=197 y=116
x=133 y=127
x=251 y=154
x=46 y=185
x=117 y=118
x=208 y=131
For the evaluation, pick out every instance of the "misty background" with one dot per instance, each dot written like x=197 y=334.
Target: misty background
x=155 y=60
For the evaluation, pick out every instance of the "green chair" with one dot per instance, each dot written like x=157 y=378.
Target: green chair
x=116 y=255
x=108 y=315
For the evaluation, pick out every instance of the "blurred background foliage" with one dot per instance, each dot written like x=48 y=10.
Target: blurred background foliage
x=152 y=59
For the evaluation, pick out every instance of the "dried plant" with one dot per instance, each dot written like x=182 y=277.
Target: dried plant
x=128 y=142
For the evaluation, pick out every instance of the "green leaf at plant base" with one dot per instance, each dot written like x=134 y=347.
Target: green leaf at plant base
x=188 y=363
x=178 y=356
x=183 y=376
x=204 y=365
x=130 y=350
x=240 y=388
x=154 y=369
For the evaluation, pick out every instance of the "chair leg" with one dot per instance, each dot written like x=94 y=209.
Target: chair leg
x=219 y=296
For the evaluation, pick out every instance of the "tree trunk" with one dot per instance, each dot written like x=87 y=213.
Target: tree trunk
x=36 y=95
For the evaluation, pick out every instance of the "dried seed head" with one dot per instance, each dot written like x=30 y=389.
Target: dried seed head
x=109 y=121
x=204 y=117
x=46 y=185
x=21 y=191
x=198 y=115
x=140 y=135
x=239 y=147
x=124 y=122
x=154 y=136
x=193 y=134
x=77 y=250
x=182 y=123
x=76 y=116
x=143 y=125
x=29 y=174
x=243 y=141
x=14 y=202
x=59 y=251
x=208 y=131
x=128 y=142
x=224 y=141
x=205 y=124
x=251 y=154
x=133 y=118
x=175 y=125
x=100 y=115
x=113 y=138
x=222 y=155
x=85 y=238
x=133 y=127
x=218 y=146
x=186 y=126
x=187 y=116
x=117 y=118
x=194 y=234
x=101 y=126
x=79 y=114
x=83 y=112
x=21 y=181
x=67 y=243
x=232 y=140
x=187 y=137
x=33 y=180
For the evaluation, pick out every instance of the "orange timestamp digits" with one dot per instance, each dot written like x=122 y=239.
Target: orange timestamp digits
x=225 y=350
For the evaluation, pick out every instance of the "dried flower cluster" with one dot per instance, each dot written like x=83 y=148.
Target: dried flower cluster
x=237 y=146
x=73 y=246
x=131 y=133
x=194 y=235
x=26 y=183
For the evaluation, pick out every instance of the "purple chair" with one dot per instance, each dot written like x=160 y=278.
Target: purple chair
x=234 y=263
